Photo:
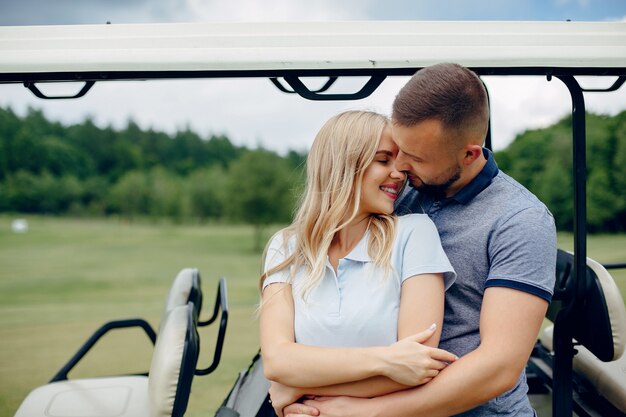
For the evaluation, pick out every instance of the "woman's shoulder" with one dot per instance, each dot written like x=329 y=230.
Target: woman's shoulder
x=414 y=220
x=413 y=225
x=277 y=242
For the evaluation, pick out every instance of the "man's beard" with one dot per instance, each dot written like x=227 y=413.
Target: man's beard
x=438 y=191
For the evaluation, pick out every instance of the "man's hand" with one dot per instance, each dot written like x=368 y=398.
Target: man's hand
x=330 y=407
x=282 y=396
x=300 y=410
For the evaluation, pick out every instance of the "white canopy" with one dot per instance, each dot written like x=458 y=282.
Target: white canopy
x=310 y=46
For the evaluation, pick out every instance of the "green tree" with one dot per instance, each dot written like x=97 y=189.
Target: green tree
x=555 y=190
x=260 y=190
x=206 y=192
x=9 y=125
x=541 y=159
x=602 y=205
x=131 y=194
x=165 y=194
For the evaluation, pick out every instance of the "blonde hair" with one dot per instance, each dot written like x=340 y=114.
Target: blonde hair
x=343 y=148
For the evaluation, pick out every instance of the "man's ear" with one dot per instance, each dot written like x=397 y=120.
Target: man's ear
x=472 y=153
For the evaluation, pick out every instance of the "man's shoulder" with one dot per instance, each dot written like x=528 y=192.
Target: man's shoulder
x=506 y=192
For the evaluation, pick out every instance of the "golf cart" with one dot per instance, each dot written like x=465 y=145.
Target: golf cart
x=578 y=361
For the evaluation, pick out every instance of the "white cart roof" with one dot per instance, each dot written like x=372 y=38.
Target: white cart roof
x=309 y=46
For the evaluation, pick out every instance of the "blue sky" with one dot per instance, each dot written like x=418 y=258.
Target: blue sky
x=224 y=106
x=29 y=12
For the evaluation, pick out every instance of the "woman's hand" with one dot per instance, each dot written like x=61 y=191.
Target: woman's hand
x=411 y=363
x=282 y=396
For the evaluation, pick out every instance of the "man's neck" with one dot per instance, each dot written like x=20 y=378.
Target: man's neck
x=467 y=176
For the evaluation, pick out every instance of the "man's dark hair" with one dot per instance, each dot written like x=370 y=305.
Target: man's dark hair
x=450 y=93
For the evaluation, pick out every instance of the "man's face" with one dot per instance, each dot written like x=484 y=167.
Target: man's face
x=432 y=166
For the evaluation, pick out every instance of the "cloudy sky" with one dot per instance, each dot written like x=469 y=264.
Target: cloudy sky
x=251 y=111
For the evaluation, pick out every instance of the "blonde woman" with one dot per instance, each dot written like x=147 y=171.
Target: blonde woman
x=348 y=288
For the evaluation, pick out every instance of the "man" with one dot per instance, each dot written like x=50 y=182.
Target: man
x=500 y=239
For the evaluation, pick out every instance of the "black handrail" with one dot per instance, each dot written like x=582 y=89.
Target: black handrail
x=615 y=265
x=37 y=92
x=281 y=87
x=298 y=86
x=220 y=303
x=97 y=335
x=614 y=87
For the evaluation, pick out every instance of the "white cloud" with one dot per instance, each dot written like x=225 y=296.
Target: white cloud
x=581 y=3
x=522 y=103
x=269 y=10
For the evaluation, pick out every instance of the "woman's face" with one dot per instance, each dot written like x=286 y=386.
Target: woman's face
x=382 y=182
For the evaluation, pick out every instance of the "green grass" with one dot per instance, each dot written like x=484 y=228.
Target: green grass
x=66 y=277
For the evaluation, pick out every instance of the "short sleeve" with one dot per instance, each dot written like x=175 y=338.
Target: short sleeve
x=522 y=252
x=420 y=249
x=276 y=253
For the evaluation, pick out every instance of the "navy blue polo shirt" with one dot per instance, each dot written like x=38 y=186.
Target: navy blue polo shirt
x=496 y=233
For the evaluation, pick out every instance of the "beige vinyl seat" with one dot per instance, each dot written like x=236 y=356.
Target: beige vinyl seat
x=600 y=364
x=163 y=393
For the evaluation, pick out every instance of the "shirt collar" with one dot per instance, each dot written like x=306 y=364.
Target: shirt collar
x=360 y=253
x=480 y=182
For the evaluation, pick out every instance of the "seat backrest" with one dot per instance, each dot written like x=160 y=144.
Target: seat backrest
x=599 y=318
x=174 y=362
x=614 y=307
x=185 y=288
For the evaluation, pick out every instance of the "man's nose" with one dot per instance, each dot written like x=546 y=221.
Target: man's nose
x=397 y=173
x=402 y=162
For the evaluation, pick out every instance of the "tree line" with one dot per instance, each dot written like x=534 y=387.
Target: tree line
x=83 y=169
x=541 y=159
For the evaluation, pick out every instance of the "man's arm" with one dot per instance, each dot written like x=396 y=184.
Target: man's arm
x=509 y=323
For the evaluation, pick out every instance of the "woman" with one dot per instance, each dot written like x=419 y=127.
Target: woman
x=347 y=279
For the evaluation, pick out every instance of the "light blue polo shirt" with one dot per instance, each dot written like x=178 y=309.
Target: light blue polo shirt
x=358 y=306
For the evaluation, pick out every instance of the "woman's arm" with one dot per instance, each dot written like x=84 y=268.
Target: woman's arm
x=297 y=365
x=421 y=304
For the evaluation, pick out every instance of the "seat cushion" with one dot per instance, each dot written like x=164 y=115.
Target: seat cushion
x=614 y=305
x=608 y=378
x=182 y=289
x=173 y=363
x=93 y=397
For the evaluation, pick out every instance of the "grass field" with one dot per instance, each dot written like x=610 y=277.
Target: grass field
x=66 y=277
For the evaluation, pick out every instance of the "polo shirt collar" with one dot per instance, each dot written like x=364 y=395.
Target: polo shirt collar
x=359 y=253
x=480 y=182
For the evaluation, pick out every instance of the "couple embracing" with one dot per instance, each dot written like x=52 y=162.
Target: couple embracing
x=416 y=274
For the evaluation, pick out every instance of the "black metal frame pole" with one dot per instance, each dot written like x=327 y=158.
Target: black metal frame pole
x=563 y=347
x=580 y=182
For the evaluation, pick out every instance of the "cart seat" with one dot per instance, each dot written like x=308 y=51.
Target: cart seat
x=93 y=397
x=607 y=378
x=163 y=393
x=605 y=338
x=185 y=288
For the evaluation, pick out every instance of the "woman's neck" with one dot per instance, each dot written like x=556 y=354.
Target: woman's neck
x=346 y=239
